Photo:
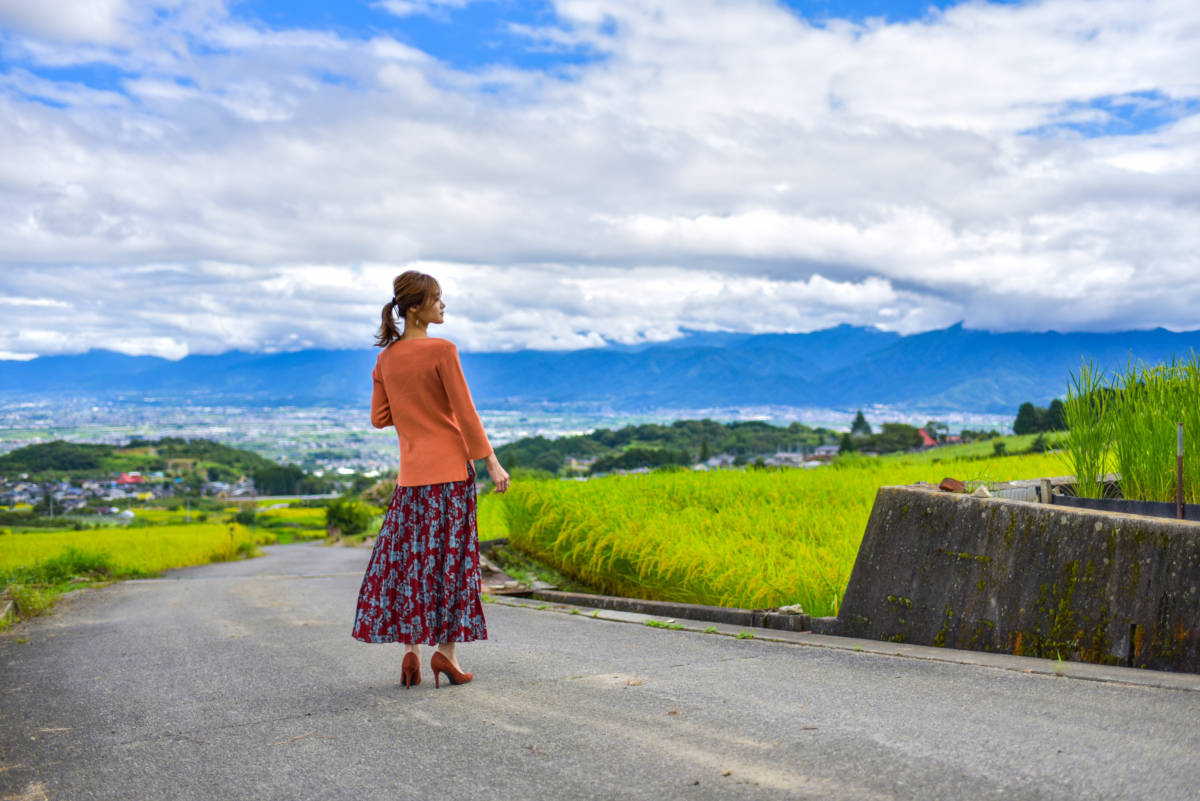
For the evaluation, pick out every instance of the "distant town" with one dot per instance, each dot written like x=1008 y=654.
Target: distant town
x=336 y=449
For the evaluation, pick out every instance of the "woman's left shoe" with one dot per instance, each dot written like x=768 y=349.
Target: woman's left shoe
x=410 y=670
x=440 y=664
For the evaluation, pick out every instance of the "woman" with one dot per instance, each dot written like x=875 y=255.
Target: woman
x=422 y=584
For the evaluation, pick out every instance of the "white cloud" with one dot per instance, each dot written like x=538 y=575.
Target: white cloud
x=719 y=153
x=99 y=21
x=408 y=8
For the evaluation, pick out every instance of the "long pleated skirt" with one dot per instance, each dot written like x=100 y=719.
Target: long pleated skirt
x=422 y=584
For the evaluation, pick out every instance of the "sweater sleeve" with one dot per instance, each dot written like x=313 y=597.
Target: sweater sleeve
x=462 y=406
x=381 y=411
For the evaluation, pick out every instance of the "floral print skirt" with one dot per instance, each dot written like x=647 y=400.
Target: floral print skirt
x=422 y=584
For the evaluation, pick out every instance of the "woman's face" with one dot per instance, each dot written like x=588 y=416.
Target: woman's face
x=433 y=309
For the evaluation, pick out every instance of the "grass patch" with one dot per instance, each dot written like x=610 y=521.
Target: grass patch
x=663 y=624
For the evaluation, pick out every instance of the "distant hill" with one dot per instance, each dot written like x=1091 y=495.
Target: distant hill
x=77 y=459
x=952 y=369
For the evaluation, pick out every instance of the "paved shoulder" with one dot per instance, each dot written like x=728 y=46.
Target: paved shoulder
x=241 y=681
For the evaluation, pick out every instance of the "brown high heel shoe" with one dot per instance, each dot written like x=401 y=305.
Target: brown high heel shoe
x=440 y=664
x=410 y=670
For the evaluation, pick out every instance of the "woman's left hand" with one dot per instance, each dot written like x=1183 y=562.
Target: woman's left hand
x=496 y=473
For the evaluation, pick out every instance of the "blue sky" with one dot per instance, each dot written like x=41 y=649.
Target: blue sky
x=582 y=171
x=487 y=33
x=474 y=35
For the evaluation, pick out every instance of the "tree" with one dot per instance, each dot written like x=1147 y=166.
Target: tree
x=1056 y=417
x=194 y=482
x=705 y=451
x=939 y=431
x=277 y=479
x=1027 y=421
x=846 y=445
x=550 y=461
x=896 y=437
x=860 y=425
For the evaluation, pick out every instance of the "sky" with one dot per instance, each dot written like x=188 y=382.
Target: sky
x=197 y=176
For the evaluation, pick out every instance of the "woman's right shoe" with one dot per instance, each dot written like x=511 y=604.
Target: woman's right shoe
x=410 y=670
x=440 y=664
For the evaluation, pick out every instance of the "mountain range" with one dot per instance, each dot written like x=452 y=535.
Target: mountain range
x=951 y=369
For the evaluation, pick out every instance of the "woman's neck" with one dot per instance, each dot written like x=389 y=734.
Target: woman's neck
x=415 y=332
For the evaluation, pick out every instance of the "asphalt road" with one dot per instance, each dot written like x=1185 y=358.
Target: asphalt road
x=241 y=681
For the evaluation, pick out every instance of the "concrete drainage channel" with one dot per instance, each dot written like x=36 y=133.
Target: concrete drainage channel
x=754 y=618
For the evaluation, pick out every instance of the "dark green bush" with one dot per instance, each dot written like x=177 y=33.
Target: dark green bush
x=350 y=515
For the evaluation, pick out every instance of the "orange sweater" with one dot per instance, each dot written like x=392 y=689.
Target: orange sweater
x=420 y=389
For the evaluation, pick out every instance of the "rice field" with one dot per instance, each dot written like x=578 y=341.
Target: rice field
x=303 y=516
x=753 y=538
x=158 y=516
x=136 y=551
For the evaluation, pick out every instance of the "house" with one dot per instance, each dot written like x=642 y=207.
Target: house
x=926 y=440
x=720 y=460
x=130 y=478
x=786 y=459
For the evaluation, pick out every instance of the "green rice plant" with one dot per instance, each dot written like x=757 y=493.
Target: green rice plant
x=1129 y=425
x=1189 y=415
x=1143 y=432
x=489 y=516
x=1088 y=430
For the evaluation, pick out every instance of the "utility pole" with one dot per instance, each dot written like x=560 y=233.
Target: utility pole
x=1179 y=471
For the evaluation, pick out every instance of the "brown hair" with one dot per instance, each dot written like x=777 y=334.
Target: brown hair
x=409 y=289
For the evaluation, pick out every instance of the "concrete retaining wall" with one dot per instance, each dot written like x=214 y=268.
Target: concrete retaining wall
x=991 y=574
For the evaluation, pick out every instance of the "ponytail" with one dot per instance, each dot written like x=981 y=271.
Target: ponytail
x=388 y=332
